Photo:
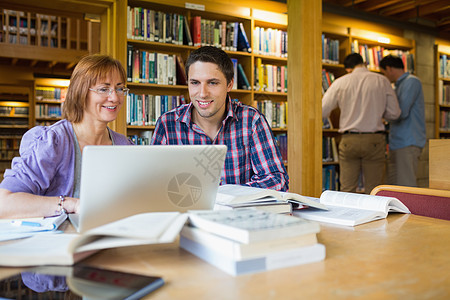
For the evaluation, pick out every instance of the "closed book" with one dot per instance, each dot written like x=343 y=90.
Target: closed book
x=136 y=64
x=196 y=30
x=278 y=207
x=187 y=37
x=66 y=249
x=239 y=251
x=272 y=261
x=181 y=72
x=243 y=43
x=248 y=225
x=129 y=62
x=242 y=78
x=235 y=68
x=233 y=194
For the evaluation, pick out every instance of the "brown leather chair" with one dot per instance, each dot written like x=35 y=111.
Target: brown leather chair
x=420 y=201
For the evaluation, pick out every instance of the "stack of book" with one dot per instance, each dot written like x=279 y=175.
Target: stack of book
x=232 y=196
x=248 y=240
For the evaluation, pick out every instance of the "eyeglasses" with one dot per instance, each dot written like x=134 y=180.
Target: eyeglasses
x=106 y=92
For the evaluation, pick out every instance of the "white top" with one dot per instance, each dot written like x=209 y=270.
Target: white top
x=364 y=98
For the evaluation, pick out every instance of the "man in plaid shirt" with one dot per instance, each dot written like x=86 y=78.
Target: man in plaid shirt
x=213 y=118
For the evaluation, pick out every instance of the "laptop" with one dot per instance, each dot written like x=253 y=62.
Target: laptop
x=120 y=181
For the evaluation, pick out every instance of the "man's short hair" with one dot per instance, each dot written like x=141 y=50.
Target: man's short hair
x=212 y=55
x=392 y=61
x=352 y=60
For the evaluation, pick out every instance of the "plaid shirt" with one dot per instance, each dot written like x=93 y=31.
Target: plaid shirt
x=252 y=158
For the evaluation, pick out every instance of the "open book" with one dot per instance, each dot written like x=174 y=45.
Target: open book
x=236 y=195
x=351 y=209
x=67 y=249
x=12 y=229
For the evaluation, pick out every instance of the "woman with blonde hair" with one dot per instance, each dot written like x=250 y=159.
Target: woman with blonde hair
x=45 y=179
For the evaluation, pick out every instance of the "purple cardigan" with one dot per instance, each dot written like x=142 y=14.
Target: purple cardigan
x=46 y=163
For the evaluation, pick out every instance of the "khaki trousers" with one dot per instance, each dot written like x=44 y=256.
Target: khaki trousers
x=402 y=166
x=366 y=152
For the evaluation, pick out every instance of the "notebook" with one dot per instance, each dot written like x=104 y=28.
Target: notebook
x=120 y=181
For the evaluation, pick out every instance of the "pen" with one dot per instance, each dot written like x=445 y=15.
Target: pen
x=25 y=223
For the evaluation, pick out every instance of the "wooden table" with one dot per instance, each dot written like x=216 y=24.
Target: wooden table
x=401 y=257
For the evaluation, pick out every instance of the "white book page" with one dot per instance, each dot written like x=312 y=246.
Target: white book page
x=36 y=250
x=397 y=206
x=141 y=226
x=304 y=200
x=141 y=229
x=340 y=215
x=353 y=200
x=233 y=193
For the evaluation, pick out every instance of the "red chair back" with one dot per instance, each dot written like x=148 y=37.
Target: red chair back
x=423 y=205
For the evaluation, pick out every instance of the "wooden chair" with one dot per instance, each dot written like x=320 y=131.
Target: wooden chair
x=420 y=201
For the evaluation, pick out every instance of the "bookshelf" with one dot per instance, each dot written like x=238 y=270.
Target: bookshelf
x=212 y=20
x=335 y=46
x=15 y=119
x=49 y=98
x=442 y=84
x=373 y=46
x=270 y=63
x=44 y=36
x=39 y=43
x=337 y=42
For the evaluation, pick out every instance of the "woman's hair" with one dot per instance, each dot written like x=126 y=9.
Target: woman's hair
x=89 y=71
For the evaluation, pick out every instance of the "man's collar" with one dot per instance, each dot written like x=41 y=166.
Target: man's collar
x=401 y=78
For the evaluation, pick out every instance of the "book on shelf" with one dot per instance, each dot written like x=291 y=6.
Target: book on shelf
x=196 y=24
x=156 y=26
x=239 y=251
x=327 y=123
x=67 y=249
x=243 y=43
x=351 y=209
x=187 y=37
x=235 y=35
x=274 y=112
x=181 y=72
x=129 y=63
x=235 y=68
x=271 y=261
x=330 y=50
x=248 y=225
x=329 y=149
x=330 y=178
x=327 y=79
x=269 y=41
x=230 y=194
x=243 y=82
x=146 y=109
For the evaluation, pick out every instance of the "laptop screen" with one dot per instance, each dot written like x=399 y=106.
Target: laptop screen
x=120 y=181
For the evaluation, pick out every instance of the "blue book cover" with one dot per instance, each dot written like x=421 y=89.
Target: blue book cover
x=243 y=43
x=243 y=82
x=235 y=67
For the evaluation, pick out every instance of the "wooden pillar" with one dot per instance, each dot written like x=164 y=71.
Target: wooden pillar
x=304 y=96
x=118 y=29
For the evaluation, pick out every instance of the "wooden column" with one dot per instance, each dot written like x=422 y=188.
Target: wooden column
x=304 y=97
